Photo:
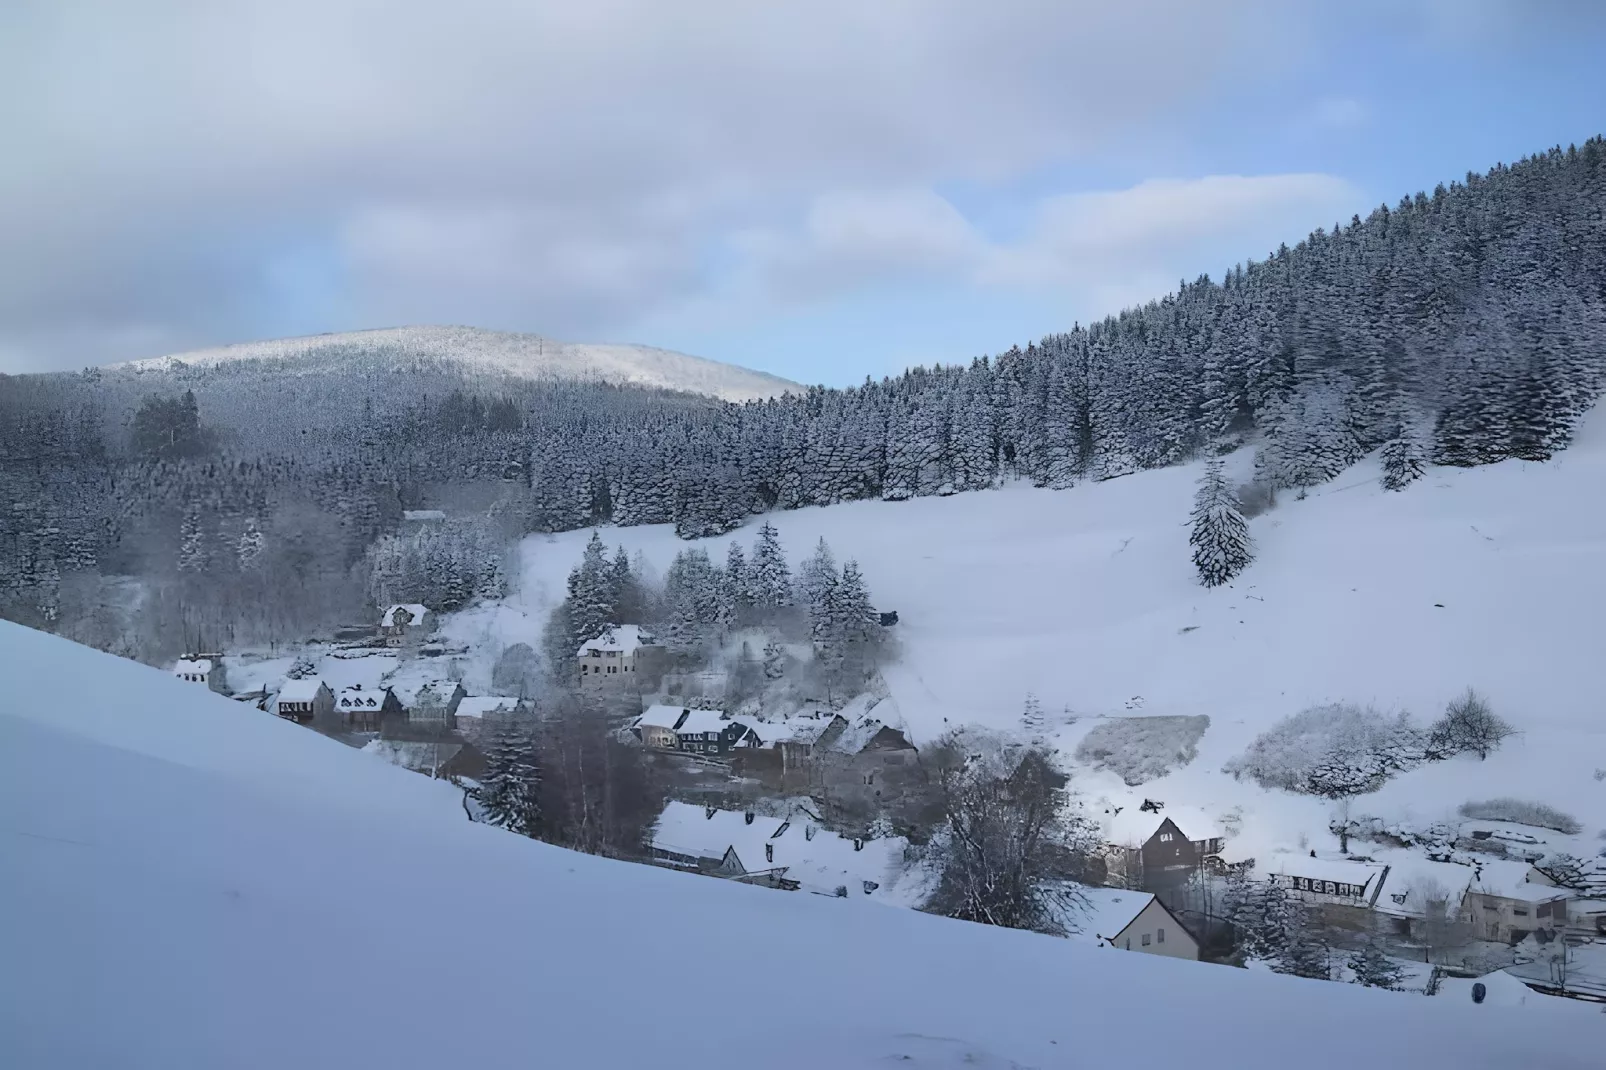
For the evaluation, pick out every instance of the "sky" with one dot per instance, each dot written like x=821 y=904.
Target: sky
x=825 y=190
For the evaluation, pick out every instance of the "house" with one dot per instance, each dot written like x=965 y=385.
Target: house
x=304 y=700
x=693 y=731
x=790 y=742
x=1508 y=900
x=430 y=703
x=623 y=656
x=1417 y=892
x=1131 y=921
x=793 y=852
x=204 y=669
x=863 y=757
x=403 y=624
x=363 y=709
x=1156 y=846
x=1342 y=891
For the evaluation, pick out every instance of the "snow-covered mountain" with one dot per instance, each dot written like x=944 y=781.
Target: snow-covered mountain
x=527 y=356
x=192 y=883
x=1490 y=577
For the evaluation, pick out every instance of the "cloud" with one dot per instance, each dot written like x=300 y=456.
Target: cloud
x=566 y=166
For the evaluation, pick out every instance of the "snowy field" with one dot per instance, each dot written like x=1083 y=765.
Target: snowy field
x=1492 y=577
x=192 y=883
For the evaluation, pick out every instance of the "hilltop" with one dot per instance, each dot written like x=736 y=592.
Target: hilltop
x=522 y=356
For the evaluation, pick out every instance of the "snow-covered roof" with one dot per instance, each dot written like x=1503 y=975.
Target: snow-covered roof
x=819 y=859
x=197 y=667
x=358 y=697
x=1105 y=913
x=704 y=721
x=418 y=611
x=803 y=729
x=1510 y=880
x=484 y=705
x=1411 y=878
x=423 y=514
x=1133 y=827
x=623 y=638
x=302 y=690
x=408 y=691
x=1334 y=870
x=661 y=716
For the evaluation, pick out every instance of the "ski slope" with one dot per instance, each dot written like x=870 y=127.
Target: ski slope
x=1492 y=577
x=191 y=883
x=526 y=356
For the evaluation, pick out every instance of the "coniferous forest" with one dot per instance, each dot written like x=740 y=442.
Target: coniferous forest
x=254 y=500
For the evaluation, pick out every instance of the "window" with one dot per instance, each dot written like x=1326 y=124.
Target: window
x=769 y=852
x=1159 y=936
x=1145 y=939
x=1165 y=837
x=1521 y=912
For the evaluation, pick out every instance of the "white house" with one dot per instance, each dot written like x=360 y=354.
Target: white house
x=618 y=657
x=206 y=669
x=694 y=731
x=1130 y=921
x=401 y=624
x=1508 y=900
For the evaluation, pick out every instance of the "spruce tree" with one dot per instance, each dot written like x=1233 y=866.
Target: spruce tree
x=771 y=579
x=591 y=593
x=510 y=790
x=1032 y=719
x=1305 y=952
x=774 y=661
x=1220 y=539
x=1374 y=969
x=1403 y=458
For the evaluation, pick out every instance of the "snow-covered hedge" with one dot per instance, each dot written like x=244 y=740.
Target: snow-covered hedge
x=1522 y=812
x=1140 y=749
x=1334 y=751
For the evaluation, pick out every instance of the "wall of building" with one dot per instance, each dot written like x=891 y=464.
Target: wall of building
x=1164 y=935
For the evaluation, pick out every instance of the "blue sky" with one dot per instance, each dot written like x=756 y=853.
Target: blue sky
x=824 y=191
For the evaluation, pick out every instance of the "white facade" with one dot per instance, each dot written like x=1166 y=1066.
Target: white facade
x=1131 y=921
x=614 y=658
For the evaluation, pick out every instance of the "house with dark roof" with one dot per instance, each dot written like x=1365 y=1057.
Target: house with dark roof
x=364 y=709
x=693 y=731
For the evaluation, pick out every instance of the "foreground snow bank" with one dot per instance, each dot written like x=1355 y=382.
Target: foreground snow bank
x=190 y=883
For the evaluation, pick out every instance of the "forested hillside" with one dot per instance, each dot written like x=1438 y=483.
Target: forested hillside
x=1458 y=327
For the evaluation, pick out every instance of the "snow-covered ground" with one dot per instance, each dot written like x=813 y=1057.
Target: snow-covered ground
x=1492 y=577
x=527 y=356
x=192 y=883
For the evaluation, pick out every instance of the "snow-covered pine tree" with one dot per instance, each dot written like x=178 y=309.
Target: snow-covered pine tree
x=1404 y=456
x=591 y=607
x=248 y=550
x=510 y=790
x=1244 y=904
x=1374 y=969
x=817 y=581
x=192 y=542
x=1305 y=951
x=1220 y=539
x=736 y=594
x=856 y=626
x=770 y=578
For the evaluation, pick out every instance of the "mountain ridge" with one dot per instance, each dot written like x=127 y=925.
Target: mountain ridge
x=523 y=355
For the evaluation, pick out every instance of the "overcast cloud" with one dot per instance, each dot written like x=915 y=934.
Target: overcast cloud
x=182 y=172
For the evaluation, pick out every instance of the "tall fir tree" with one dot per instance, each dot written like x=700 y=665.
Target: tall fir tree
x=1220 y=539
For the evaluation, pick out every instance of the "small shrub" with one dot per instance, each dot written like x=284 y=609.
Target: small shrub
x=1468 y=724
x=1140 y=749
x=1522 y=812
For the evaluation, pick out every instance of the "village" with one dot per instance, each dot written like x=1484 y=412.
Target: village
x=819 y=797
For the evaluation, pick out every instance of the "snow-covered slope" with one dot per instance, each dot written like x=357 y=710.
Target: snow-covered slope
x=190 y=883
x=1491 y=577
x=527 y=356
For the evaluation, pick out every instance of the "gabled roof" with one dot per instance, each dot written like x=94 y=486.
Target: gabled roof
x=1134 y=826
x=1366 y=875
x=485 y=705
x=819 y=859
x=1514 y=880
x=302 y=690
x=358 y=697
x=623 y=638
x=704 y=721
x=662 y=716
x=418 y=611
x=806 y=730
x=409 y=691
x=1106 y=912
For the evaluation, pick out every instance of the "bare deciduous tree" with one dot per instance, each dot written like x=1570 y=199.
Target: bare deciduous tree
x=1468 y=724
